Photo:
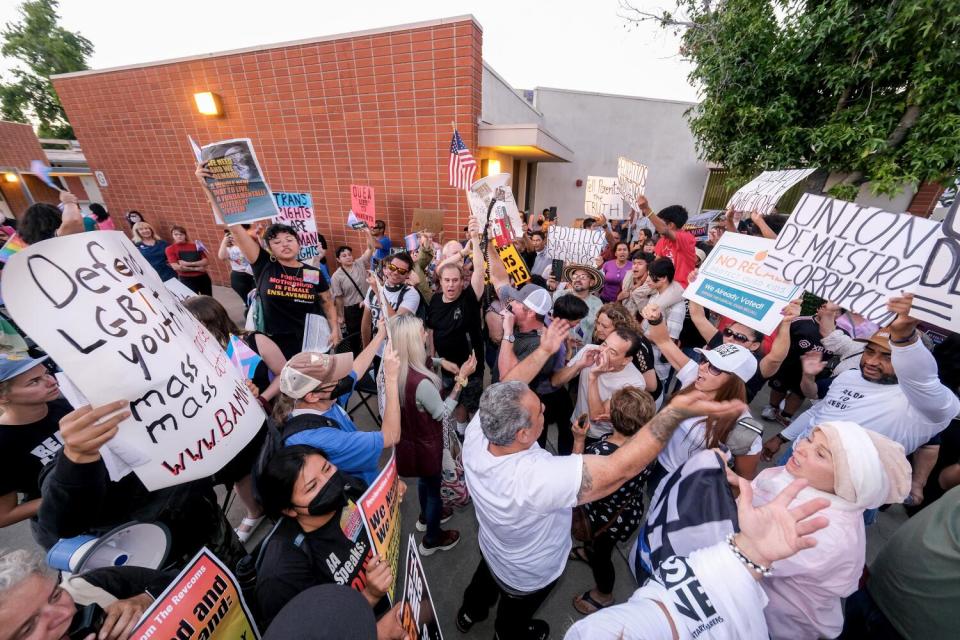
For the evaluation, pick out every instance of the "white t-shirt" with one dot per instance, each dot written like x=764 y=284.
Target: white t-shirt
x=689 y=438
x=607 y=383
x=410 y=301
x=238 y=262
x=523 y=503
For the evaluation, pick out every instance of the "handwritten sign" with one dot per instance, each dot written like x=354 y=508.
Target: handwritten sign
x=380 y=507
x=95 y=305
x=204 y=601
x=238 y=185
x=734 y=282
x=762 y=193
x=296 y=210
x=428 y=220
x=631 y=181
x=602 y=198
x=504 y=219
x=363 y=204
x=937 y=296
x=852 y=255
x=577 y=246
x=418 y=615
x=514 y=264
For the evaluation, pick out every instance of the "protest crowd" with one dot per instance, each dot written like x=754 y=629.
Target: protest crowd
x=581 y=398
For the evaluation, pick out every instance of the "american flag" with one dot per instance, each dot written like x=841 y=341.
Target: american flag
x=462 y=164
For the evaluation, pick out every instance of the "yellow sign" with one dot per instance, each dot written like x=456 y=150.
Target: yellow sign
x=516 y=269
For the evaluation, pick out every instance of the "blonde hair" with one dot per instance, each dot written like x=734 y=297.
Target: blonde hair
x=135 y=235
x=407 y=340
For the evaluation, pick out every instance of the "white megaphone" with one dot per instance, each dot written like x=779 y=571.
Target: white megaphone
x=137 y=544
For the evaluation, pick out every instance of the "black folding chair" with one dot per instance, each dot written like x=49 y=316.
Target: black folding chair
x=366 y=387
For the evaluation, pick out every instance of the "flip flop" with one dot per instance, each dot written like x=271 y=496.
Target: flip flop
x=587 y=605
x=252 y=524
x=578 y=554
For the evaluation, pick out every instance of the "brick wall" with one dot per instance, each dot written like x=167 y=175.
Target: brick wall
x=18 y=146
x=369 y=109
x=925 y=200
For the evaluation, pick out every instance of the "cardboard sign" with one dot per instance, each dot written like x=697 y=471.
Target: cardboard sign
x=238 y=185
x=505 y=225
x=296 y=210
x=762 y=193
x=631 y=181
x=734 y=282
x=428 y=220
x=363 y=204
x=937 y=298
x=204 y=601
x=100 y=310
x=380 y=507
x=579 y=246
x=855 y=256
x=603 y=198
x=418 y=615
x=516 y=268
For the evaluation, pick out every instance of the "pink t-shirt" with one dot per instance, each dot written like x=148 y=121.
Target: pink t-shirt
x=681 y=251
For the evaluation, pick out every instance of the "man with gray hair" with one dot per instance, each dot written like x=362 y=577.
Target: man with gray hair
x=524 y=495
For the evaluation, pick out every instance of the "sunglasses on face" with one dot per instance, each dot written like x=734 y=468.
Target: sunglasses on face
x=399 y=270
x=739 y=337
x=713 y=370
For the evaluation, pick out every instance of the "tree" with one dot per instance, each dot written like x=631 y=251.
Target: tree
x=860 y=87
x=45 y=49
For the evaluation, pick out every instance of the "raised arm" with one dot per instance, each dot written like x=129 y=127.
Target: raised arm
x=762 y=226
x=391 y=410
x=249 y=247
x=562 y=376
x=71 y=220
x=222 y=251
x=365 y=358
x=658 y=224
x=551 y=340
x=699 y=317
x=476 y=279
x=658 y=335
x=771 y=362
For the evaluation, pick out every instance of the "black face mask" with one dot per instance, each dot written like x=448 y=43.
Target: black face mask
x=331 y=497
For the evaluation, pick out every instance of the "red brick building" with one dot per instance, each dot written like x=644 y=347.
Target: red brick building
x=369 y=108
x=18 y=187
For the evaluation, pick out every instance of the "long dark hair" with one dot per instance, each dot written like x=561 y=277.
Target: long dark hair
x=279 y=476
x=717 y=429
x=39 y=222
x=99 y=212
x=213 y=316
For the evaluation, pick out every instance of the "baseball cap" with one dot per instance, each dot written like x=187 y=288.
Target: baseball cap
x=533 y=297
x=308 y=370
x=12 y=365
x=732 y=358
x=879 y=339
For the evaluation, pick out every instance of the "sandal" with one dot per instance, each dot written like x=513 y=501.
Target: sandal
x=586 y=605
x=251 y=524
x=578 y=554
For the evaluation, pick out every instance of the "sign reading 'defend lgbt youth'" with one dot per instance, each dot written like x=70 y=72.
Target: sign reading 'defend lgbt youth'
x=296 y=210
x=577 y=246
x=855 y=256
x=762 y=193
x=734 y=282
x=103 y=314
x=237 y=185
x=602 y=198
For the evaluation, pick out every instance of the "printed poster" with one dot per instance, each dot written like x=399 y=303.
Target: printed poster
x=631 y=181
x=699 y=225
x=296 y=210
x=418 y=615
x=95 y=305
x=603 y=198
x=238 y=185
x=203 y=602
x=363 y=204
x=734 y=282
x=575 y=246
x=380 y=507
x=857 y=256
x=505 y=225
x=762 y=193
x=514 y=264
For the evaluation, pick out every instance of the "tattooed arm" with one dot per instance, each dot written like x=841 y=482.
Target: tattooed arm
x=602 y=475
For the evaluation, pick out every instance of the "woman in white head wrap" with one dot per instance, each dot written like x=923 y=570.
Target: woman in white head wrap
x=855 y=469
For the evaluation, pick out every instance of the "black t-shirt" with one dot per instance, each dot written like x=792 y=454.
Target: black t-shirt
x=294 y=561
x=528 y=258
x=456 y=327
x=288 y=294
x=757 y=381
x=28 y=448
x=804 y=337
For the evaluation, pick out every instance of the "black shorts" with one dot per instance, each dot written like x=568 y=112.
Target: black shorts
x=786 y=384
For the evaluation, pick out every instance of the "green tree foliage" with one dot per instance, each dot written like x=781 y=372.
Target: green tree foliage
x=870 y=89
x=43 y=48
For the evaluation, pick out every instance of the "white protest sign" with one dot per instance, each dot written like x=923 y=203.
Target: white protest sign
x=296 y=210
x=631 y=180
x=852 y=255
x=505 y=223
x=762 y=193
x=602 y=198
x=937 y=296
x=101 y=312
x=734 y=282
x=577 y=246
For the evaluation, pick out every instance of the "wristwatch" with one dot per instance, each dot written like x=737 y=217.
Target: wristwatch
x=511 y=338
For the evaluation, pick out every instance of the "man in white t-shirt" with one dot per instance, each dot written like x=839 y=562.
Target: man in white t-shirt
x=400 y=297
x=524 y=495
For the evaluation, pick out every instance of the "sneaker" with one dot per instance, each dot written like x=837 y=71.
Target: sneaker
x=465 y=622
x=770 y=413
x=445 y=516
x=536 y=630
x=447 y=541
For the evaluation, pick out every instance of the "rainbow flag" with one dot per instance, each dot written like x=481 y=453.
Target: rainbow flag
x=14 y=244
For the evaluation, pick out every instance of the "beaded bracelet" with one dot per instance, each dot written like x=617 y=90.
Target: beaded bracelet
x=762 y=570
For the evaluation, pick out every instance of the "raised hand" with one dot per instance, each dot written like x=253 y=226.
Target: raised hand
x=469 y=367
x=696 y=403
x=903 y=325
x=791 y=312
x=812 y=363
x=552 y=339
x=651 y=312
x=391 y=362
x=580 y=428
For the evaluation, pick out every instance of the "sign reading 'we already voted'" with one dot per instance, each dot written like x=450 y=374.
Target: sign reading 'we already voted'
x=102 y=313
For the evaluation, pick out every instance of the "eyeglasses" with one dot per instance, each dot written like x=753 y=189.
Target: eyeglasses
x=739 y=337
x=399 y=270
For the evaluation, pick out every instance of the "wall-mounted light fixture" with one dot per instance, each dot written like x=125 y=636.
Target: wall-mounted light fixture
x=492 y=169
x=10 y=176
x=208 y=103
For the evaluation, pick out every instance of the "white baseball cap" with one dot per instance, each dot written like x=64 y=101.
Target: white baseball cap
x=732 y=358
x=535 y=298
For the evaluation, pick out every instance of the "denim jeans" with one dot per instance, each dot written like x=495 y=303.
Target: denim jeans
x=431 y=506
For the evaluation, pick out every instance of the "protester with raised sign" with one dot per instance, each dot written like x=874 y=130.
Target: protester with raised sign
x=241 y=273
x=153 y=249
x=349 y=286
x=674 y=243
x=189 y=259
x=29 y=433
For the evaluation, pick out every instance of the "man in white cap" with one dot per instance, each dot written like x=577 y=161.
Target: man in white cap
x=525 y=310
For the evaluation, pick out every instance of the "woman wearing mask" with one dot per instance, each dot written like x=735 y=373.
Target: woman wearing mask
x=189 y=259
x=420 y=450
x=153 y=248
